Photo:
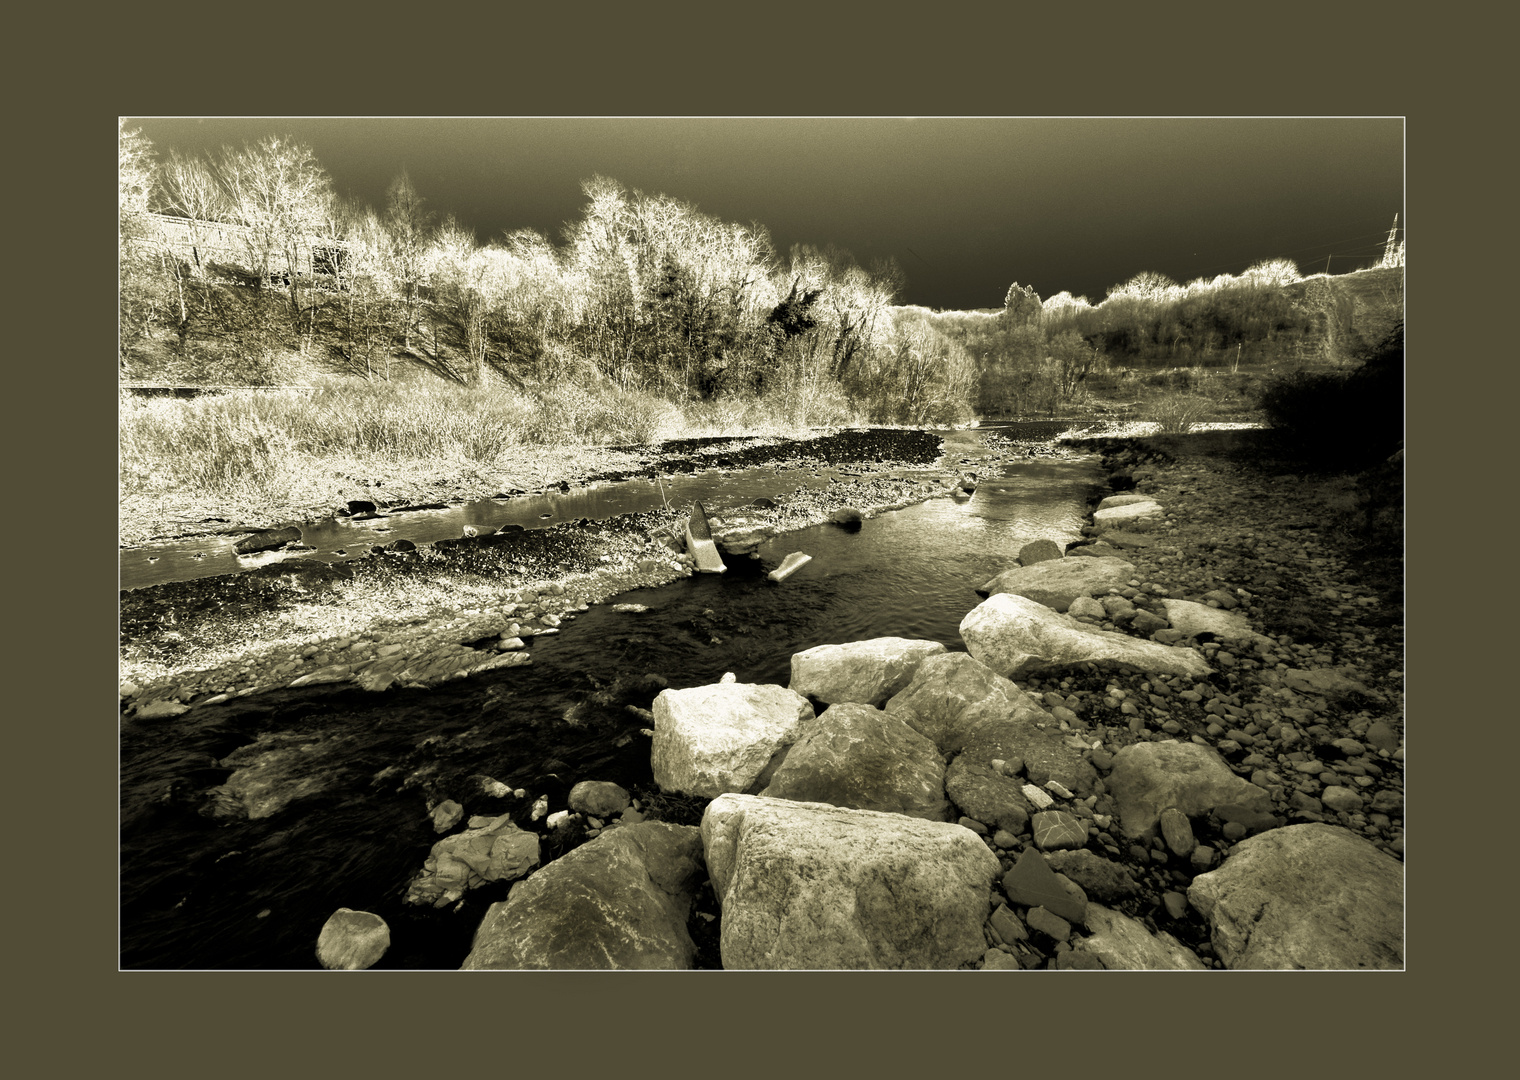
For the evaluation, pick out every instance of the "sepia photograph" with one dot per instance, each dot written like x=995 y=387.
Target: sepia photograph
x=761 y=543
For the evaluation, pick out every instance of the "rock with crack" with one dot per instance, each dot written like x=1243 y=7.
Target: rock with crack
x=868 y=672
x=1147 y=778
x=812 y=886
x=1016 y=637
x=725 y=737
x=1058 y=582
x=1305 y=897
x=620 y=902
x=859 y=757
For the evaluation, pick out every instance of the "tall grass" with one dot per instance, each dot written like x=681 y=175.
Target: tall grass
x=254 y=443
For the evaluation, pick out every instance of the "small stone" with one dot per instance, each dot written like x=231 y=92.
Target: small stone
x=1178 y=832
x=1049 y=924
x=1004 y=839
x=1176 y=904
x=446 y=815
x=1040 y=799
x=351 y=940
x=1006 y=926
x=1339 y=798
x=1233 y=830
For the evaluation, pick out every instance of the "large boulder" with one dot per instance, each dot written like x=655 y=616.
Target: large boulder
x=868 y=672
x=976 y=716
x=859 y=757
x=1305 y=897
x=352 y=940
x=1016 y=636
x=724 y=737
x=619 y=902
x=494 y=851
x=1060 y=581
x=810 y=886
x=1124 y=944
x=1149 y=777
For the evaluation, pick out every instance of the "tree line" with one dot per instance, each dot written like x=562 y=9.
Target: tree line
x=641 y=293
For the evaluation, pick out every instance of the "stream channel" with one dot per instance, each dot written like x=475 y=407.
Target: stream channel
x=205 y=893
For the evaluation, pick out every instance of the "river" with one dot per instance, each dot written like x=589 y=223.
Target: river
x=210 y=893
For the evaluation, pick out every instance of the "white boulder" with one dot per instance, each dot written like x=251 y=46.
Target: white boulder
x=868 y=672
x=724 y=737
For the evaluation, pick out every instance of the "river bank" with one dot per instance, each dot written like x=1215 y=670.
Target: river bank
x=415 y=614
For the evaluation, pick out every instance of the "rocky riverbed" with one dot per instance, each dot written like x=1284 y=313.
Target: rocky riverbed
x=1286 y=717
x=1202 y=769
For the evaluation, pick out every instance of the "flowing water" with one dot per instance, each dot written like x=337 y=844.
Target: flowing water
x=202 y=892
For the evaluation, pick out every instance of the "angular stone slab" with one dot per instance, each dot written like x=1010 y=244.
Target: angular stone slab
x=1305 y=897
x=1124 y=944
x=724 y=737
x=619 y=902
x=1016 y=636
x=811 y=886
x=859 y=757
x=868 y=672
x=1149 y=777
x=1058 y=582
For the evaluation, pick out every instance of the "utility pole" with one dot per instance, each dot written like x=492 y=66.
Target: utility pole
x=1391 y=249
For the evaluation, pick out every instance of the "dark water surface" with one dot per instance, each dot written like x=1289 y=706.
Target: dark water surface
x=205 y=893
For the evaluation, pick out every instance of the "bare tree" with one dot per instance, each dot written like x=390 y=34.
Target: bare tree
x=407 y=225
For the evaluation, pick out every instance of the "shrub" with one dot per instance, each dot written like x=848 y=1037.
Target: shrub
x=1177 y=413
x=1342 y=419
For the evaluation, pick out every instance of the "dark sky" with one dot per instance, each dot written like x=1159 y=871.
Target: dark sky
x=965 y=206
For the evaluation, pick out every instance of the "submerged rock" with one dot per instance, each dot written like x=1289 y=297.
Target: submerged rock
x=495 y=851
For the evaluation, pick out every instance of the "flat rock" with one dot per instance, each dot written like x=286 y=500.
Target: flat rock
x=160 y=710
x=1016 y=636
x=1058 y=829
x=1124 y=538
x=1305 y=897
x=1149 y=777
x=860 y=757
x=811 y=886
x=724 y=737
x=1096 y=550
x=619 y=902
x=1124 y=944
x=1129 y=498
x=1193 y=619
x=868 y=672
x=1336 y=684
x=1057 y=583
x=1134 y=515
x=352 y=940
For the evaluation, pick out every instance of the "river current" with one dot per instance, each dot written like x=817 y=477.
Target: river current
x=199 y=891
